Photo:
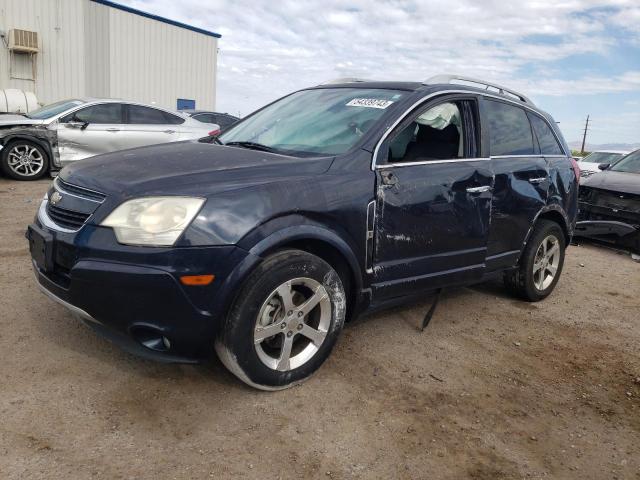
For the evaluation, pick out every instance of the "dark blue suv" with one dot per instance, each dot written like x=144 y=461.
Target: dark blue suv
x=328 y=202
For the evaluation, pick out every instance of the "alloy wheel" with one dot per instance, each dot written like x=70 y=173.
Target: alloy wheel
x=292 y=324
x=546 y=262
x=25 y=160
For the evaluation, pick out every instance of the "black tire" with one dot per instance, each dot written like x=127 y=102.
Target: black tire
x=24 y=171
x=235 y=344
x=524 y=282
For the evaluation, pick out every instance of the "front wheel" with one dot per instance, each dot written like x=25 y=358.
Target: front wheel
x=541 y=263
x=284 y=322
x=23 y=160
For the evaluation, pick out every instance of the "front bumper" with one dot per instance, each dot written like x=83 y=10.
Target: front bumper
x=133 y=295
x=597 y=228
x=614 y=225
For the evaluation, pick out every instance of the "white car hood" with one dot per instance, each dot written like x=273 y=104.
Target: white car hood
x=589 y=166
x=7 y=120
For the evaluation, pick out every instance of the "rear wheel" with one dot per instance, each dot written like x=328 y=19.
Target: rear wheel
x=284 y=322
x=23 y=160
x=541 y=263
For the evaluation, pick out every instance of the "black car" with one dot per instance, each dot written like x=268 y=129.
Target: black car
x=328 y=202
x=609 y=204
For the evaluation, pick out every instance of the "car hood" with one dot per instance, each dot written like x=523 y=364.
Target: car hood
x=9 y=120
x=589 y=166
x=186 y=168
x=615 y=181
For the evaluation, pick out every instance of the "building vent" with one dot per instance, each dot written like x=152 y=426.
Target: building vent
x=23 y=41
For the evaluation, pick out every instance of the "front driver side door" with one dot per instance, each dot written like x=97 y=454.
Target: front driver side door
x=90 y=131
x=433 y=201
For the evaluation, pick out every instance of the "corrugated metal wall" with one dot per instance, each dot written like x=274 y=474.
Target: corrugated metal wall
x=60 y=64
x=157 y=62
x=97 y=36
x=89 y=49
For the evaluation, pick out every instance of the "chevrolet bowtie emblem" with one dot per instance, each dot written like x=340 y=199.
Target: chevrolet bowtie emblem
x=55 y=198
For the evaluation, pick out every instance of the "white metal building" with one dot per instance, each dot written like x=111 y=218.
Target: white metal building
x=74 y=48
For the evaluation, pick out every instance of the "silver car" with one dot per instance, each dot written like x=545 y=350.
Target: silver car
x=47 y=139
x=590 y=164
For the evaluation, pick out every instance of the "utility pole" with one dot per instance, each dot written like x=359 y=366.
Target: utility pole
x=584 y=137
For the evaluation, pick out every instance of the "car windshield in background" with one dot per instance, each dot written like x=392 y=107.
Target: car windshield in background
x=326 y=121
x=630 y=163
x=54 y=109
x=602 y=157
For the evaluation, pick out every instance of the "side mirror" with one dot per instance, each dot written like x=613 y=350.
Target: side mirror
x=604 y=166
x=76 y=124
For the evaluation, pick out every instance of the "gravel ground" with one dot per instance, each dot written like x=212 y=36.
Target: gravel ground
x=494 y=388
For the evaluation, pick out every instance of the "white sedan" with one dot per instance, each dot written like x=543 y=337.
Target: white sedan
x=47 y=139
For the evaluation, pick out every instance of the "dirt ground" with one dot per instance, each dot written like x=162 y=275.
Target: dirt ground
x=494 y=389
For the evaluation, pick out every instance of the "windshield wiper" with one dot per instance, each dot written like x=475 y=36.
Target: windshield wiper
x=252 y=146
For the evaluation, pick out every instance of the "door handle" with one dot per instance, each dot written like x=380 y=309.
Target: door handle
x=113 y=129
x=169 y=131
x=484 y=188
x=537 y=180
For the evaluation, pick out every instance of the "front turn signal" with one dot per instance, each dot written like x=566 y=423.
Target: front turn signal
x=197 y=280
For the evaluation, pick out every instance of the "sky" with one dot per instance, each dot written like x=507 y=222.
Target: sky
x=573 y=58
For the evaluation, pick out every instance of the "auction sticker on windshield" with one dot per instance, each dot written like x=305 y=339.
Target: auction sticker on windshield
x=369 y=102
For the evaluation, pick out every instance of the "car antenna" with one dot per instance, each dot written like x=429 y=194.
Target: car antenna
x=429 y=315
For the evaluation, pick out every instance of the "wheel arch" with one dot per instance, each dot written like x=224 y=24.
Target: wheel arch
x=322 y=242
x=45 y=144
x=556 y=215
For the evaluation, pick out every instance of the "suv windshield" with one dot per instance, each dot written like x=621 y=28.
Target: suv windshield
x=630 y=163
x=53 y=109
x=602 y=157
x=325 y=121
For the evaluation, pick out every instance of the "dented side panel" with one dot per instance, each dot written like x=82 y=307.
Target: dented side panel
x=430 y=230
x=519 y=194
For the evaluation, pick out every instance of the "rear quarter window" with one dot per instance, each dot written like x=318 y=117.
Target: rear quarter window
x=546 y=139
x=509 y=129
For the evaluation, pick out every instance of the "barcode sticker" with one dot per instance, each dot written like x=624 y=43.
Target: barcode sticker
x=369 y=102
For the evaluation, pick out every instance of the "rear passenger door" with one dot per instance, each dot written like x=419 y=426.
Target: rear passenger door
x=150 y=126
x=521 y=184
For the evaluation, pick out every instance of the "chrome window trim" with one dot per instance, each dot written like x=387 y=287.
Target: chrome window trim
x=430 y=162
x=537 y=155
x=424 y=99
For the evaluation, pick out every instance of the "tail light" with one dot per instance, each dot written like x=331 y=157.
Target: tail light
x=576 y=169
x=213 y=133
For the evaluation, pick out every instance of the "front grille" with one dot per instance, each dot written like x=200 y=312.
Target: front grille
x=79 y=191
x=66 y=218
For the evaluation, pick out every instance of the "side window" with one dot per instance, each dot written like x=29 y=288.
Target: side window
x=173 y=119
x=205 y=118
x=106 y=113
x=510 y=130
x=151 y=116
x=435 y=134
x=547 y=140
x=224 y=121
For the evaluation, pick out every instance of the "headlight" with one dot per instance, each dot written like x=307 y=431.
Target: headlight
x=157 y=221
